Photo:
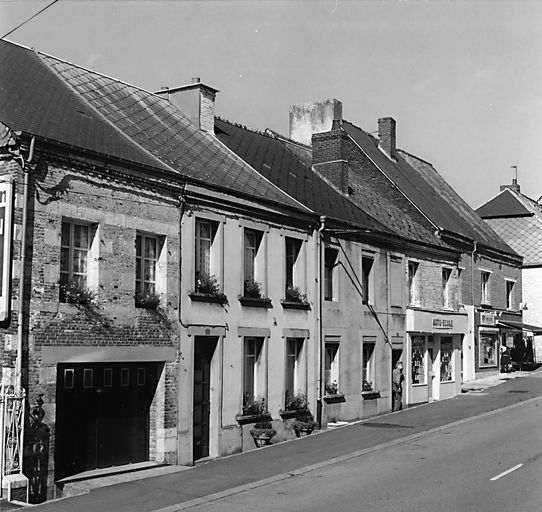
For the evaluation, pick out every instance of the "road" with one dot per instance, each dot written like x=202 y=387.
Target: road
x=493 y=463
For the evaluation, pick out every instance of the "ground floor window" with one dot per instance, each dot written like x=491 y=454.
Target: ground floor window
x=295 y=368
x=488 y=348
x=446 y=360
x=253 y=372
x=418 y=360
x=332 y=365
x=368 y=368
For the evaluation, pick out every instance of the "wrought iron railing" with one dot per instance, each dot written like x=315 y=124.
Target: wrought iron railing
x=12 y=405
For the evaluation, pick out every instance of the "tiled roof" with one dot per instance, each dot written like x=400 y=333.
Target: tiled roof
x=523 y=234
x=504 y=204
x=274 y=157
x=65 y=103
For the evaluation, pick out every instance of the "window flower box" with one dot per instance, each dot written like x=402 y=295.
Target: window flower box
x=334 y=399
x=290 y=414
x=246 y=419
x=289 y=304
x=256 y=302
x=208 y=297
x=370 y=395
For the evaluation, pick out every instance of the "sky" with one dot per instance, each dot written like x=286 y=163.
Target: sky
x=463 y=80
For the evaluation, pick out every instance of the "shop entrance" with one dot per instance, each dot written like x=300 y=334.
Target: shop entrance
x=204 y=348
x=102 y=417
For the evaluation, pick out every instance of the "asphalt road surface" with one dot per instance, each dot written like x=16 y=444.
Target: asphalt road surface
x=493 y=463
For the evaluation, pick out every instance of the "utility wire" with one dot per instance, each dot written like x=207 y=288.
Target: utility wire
x=31 y=18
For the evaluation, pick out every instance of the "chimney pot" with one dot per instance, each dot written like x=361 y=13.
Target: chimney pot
x=196 y=80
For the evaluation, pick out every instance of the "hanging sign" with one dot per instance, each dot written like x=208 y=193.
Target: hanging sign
x=6 y=210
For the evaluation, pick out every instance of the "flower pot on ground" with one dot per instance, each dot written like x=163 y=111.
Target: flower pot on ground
x=262 y=433
x=304 y=425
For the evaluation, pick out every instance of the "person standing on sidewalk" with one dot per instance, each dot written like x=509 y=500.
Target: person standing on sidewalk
x=397 y=386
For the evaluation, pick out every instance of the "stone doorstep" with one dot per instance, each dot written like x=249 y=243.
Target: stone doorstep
x=85 y=482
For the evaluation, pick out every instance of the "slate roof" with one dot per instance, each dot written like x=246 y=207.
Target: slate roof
x=279 y=160
x=518 y=220
x=428 y=191
x=64 y=103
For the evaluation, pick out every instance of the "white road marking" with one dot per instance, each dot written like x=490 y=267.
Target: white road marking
x=504 y=473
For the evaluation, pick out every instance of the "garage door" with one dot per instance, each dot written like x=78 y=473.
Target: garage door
x=102 y=415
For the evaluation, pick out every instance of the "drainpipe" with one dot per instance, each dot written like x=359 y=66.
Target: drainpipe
x=20 y=316
x=474 y=249
x=319 y=322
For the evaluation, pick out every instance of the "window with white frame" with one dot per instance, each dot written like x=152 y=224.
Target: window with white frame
x=446 y=275
x=253 y=279
x=446 y=359
x=147 y=254
x=331 y=365
x=367 y=278
x=295 y=368
x=330 y=273
x=205 y=259
x=484 y=286
x=75 y=246
x=293 y=267
x=413 y=285
x=253 y=371
x=368 y=363
x=509 y=293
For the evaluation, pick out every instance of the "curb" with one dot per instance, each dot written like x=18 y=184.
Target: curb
x=343 y=458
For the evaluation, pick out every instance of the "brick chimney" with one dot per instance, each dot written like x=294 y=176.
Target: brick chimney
x=196 y=101
x=515 y=187
x=386 y=135
x=309 y=118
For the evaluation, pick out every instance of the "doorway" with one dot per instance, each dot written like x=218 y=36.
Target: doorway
x=204 y=349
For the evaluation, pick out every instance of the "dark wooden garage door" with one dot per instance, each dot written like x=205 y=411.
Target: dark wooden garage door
x=102 y=415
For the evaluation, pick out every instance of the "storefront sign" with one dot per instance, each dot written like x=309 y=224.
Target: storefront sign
x=443 y=323
x=487 y=318
x=6 y=207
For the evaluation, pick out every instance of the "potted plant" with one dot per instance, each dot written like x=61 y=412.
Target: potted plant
x=253 y=406
x=252 y=295
x=147 y=299
x=333 y=394
x=252 y=289
x=332 y=388
x=293 y=294
x=296 y=401
x=304 y=425
x=77 y=293
x=262 y=433
x=207 y=289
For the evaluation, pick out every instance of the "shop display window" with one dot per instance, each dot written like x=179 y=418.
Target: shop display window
x=446 y=360
x=488 y=348
x=418 y=360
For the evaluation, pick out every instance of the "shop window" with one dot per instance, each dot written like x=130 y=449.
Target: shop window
x=413 y=282
x=368 y=365
x=509 y=294
x=446 y=360
x=418 y=360
x=75 y=247
x=367 y=278
x=488 y=349
x=253 y=281
x=330 y=273
x=331 y=365
x=293 y=269
x=295 y=382
x=206 y=260
x=253 y=372
x=446 y=274
x=484 y=287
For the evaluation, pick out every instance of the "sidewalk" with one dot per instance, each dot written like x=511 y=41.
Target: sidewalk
x=210 y=480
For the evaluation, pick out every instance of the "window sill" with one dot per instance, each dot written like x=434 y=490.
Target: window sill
x=247 y=419
x=206 y=297
x=370 y=395
x=334 y=399
x=290 y=304
x=285 y=415
x=255 y=302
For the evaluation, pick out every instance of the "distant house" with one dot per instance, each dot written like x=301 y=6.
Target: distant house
x=518 y=220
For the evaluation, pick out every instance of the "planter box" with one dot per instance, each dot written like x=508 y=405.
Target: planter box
x=252 y=418
x=254 y=302
x=290 y=304
x=334 y=399
x=286 y=415
x=370 y=395
x=206 y=297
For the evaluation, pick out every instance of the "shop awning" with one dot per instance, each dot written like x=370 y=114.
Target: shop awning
x=520 y=326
